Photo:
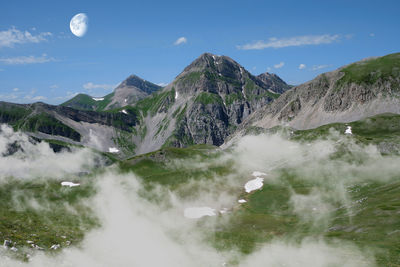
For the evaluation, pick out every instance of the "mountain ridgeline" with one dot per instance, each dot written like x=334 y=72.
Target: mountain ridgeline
x=213 y=100
x=356 y=91
x=203 y=105
x=131 y=90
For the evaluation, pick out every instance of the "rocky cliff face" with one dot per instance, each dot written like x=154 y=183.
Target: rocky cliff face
x=205 y=103
x=353 y=92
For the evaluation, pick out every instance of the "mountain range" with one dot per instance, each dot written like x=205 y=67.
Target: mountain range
x=212 y=100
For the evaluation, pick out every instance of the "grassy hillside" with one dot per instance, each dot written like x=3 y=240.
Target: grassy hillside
x=374 y=70
x=86 y=102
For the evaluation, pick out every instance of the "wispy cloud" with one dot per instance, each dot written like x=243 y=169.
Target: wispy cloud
x=372 y=34
x=38 y=98
x=14 y=36
x=162 y=84
x=10 y=96
x=26 y=60
x=291 y=41
x=302 y=66
x=319 y=67
x=181 y=40
x=90 y=86
x=279 y=65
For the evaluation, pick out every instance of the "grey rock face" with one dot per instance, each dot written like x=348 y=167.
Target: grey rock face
x=130 y=91
x=213 y=95
x=274 y=82
x=367 y=90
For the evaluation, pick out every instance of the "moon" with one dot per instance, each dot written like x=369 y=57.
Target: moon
x=79 y=24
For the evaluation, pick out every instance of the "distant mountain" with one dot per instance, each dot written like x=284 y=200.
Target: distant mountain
x=274 y=82
x=128 y=92
x=353 y=92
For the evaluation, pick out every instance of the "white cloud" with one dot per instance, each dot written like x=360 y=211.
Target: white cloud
x=372 y=34
x=319 y=67
x=15 y=89
x=39 y=98
x=90 y=86
x=14 y=36
x=181 y=40
x=11 y=96
x=280 y=65
x=269 y=69
x=26 y=60
x=162 y=84
x=302 y=66
x=291 y=41
x=54 y=86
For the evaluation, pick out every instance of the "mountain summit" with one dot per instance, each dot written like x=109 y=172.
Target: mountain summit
x=204 y=104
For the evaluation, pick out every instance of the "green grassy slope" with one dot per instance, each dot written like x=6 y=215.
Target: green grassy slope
x=86 y=102
x=45 y=213
x=370 y=71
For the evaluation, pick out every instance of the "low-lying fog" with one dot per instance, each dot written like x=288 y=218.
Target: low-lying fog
x=137 y=232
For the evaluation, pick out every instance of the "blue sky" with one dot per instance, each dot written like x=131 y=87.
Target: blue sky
x=41 y=60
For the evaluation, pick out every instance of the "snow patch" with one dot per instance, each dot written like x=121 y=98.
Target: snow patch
x=348 y=130
x=54 y=247
x=126 y=100
x=198 y=212
x=254 y=184
x=113 y=150
x=176 y=94
x=242 y=201
x=124 y=111
x=224 y=210
x=98 y=98
x=257 y=173
x=70 y=184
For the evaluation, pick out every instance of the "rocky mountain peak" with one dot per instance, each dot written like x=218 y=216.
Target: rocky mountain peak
x=273 y=82
x=135 y=82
